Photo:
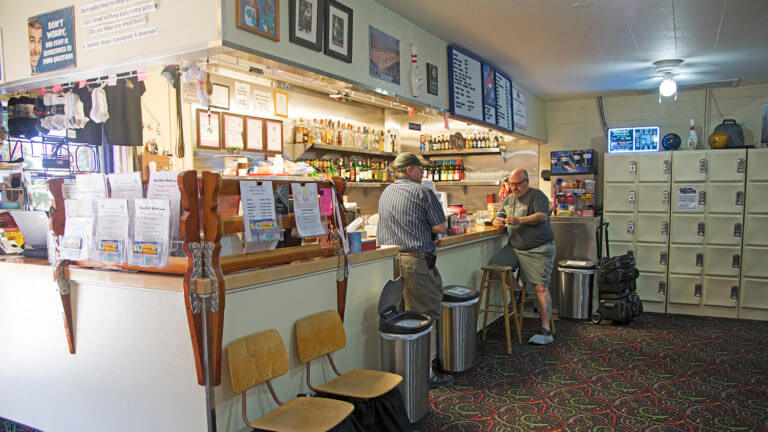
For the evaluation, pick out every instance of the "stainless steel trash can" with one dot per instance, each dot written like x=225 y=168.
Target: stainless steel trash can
x=576 y=278
x=457 y=332
x=404 y=348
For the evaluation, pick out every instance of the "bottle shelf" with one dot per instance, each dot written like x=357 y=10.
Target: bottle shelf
x=325 y=148
x=458 y=152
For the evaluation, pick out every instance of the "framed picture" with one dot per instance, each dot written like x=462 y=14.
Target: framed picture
x=208 y=129
x=338 y=31
x=281 y=104
x=261 y=17
x=384 y=56
x=219 y=97
x=234 y=129
x=432 y=85
x=274 y=136
x=2 y=63
x=306 y=23
x=254 y=133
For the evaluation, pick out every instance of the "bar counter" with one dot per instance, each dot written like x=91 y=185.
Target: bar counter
x=134 y=368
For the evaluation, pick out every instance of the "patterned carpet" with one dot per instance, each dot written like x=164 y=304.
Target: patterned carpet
x=660 y=373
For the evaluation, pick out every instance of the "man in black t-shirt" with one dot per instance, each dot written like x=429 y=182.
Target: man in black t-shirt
x=532 y=243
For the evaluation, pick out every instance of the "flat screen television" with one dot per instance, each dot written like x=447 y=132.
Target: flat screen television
x=637 y=139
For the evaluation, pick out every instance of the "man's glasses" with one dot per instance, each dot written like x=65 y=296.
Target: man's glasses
x=516 y=184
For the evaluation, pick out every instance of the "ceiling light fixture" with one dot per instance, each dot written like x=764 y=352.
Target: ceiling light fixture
x=668 y=69
x=668 y=86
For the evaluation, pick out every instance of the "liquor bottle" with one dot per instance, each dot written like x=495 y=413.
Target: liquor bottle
x=435 y=172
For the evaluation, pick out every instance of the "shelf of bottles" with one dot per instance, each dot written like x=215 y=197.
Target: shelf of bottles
x=475 y=143
x=330 y=135
x=353 y=170
x=445 y=170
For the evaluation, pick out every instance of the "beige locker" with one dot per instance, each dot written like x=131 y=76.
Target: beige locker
x=722 y=261
x=689 y=229
x=754 y=293
x=725 y=197
x=693 y=193
x=620 y=168
x=686 y=259
x=652 y=227
x=621 y=226
x=651 y=257
x=652 y=287
x=727 y=165
x=757 y=160
x=755 y=230
x=755 y=262
x=757 y=197
x=653 y=197
x=685 y=289
x=724 y=229
x=620 y=198
x=689 y=166
x=654 y=167
x=722 y=292
x=621 y=248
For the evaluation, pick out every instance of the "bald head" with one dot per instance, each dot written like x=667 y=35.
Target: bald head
x=518 y=179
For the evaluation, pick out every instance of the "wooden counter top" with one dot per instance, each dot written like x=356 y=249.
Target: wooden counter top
x=482 y=232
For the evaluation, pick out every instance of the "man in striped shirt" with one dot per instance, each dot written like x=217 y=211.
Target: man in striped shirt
x=409 y=217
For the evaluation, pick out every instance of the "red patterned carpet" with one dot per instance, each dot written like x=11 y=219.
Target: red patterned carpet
x=660 y=373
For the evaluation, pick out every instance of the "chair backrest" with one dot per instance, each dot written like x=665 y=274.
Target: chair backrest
x=256 y=358
x=319 y=334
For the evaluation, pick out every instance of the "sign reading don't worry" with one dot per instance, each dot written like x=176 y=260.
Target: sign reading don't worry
x=52 y=41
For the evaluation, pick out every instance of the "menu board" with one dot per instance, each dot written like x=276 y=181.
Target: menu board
x=479 y=91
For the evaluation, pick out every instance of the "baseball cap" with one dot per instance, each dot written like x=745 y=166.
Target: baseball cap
x=406 y=159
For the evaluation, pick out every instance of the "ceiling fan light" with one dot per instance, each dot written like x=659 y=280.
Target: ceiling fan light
x=668 y=87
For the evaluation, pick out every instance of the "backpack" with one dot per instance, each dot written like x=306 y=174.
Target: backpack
x=734 y=131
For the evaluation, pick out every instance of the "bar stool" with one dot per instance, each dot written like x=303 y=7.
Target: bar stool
x=523 y=299
x=502 y=274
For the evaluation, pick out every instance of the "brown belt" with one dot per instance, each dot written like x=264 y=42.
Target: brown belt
x=416 y=254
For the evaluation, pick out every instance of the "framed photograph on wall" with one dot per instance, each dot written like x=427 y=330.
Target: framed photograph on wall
x=338 y=31
x=274 y=136
x=208 y=129
x=261 y=17
x=384 y=56
x=254 y=133
x=234 y=131
x=306 y=24
x=432 y=85
x=220 y=96
x=281 y=104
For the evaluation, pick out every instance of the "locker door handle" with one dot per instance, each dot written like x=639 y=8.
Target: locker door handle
x=737 y=229
x=703 y=166
x=662 y=288
x=631 y=227
x=701 y=229
x=665 y=198
x=632 y=167
x=734 y=292
x=699 y=259
x=739 y=198
x=741 y=165
x=697 y=290
x=667 y=166
x=663 y=258
x=703 y=198
x=632 y=197
x=665 y=228
x=736 y=261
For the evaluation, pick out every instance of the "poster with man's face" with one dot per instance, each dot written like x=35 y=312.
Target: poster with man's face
x=52 y=41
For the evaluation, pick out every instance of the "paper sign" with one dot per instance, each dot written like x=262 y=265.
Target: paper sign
x=259 y=211
x=91 y=186
x=687 y=198
x=127 y=186
x=151 y=233
x=163 y=185
x=306 y=208
x=326 y=201
x=262 y=101
x=242 y=90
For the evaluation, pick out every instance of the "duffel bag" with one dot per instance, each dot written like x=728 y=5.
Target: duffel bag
x=617 y=288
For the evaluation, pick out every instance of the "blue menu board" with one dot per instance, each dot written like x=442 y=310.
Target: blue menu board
x=478 y=91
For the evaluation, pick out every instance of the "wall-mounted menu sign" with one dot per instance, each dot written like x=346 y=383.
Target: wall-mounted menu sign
x=52 y=41
x=478 y=91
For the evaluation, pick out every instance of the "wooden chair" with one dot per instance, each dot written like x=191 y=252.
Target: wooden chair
x=504 y=278
x=321 y=334
x=524 y=298
x=259 y=358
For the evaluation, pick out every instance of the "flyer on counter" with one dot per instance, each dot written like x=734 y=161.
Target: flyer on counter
x=259 y=211
x=163 y=185
x=306 y=208
x=127 y=186
x=151 y=235
x=91 y=186
x=112 y=228
x=78 y=208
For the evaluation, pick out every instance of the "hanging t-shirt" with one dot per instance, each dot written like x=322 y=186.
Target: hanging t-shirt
x=124 y=127
x=91 y=132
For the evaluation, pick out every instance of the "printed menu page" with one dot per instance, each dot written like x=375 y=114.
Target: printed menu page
x=306 y=208
x=259 y=211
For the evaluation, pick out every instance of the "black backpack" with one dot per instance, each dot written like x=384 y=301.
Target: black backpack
x=734 y=131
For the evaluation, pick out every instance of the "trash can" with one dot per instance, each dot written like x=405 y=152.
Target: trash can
x=457 y=332
x=404 y=347
x=576 y=278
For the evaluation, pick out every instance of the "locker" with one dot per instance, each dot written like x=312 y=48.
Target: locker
x=725 y=197
x=756 y=230
x=621 y=248
x=652 y=227
x=694 y=192
x=724 y=229
x=653 y=167
x=727 y=165
x=757 y=197
x=686 y=259
x=651 y=257
x=721 y=292
x=622 y=226
x=689 y=166
x=754 y=293
x=652 y=287
x=757 y=160
x=722 y=260
x=620 y=198
x=755 y=262
x=653 y=197
x=685 y=289
x=618 y=168
x=690 y=229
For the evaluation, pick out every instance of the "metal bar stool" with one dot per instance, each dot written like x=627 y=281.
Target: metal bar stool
x=502 y=274
x=522 y=299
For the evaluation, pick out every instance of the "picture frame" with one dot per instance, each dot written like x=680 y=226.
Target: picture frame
x=306 y=23
x=208 y=129
x=281 y=104
x=220 y=96
x=2 y=62
x=273 y=136
x=260 y=17
x=338 y=31
x=383 y=55
x=254 y=133
x=432 y=77
x=233 y=131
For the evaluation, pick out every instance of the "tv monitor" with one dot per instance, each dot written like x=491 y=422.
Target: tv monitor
x=637 y=139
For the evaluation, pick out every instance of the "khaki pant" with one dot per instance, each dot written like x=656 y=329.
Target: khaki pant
x=423 y=290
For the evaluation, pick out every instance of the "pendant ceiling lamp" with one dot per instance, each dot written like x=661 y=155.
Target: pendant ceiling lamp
x=668 y=69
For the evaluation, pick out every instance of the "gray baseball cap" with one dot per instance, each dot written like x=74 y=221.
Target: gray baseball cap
x=406 y=159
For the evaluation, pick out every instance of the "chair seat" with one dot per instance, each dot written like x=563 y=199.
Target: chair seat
x=361 y=384
x=497 y=267
x=305 y=414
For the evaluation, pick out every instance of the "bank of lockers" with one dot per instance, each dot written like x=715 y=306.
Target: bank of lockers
x=753 y=296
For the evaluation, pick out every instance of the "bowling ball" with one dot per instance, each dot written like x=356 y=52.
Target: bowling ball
x=718 y=140
x=671 y=141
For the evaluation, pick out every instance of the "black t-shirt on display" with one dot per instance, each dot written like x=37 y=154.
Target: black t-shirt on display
x=124 y=127
x=91 y=132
